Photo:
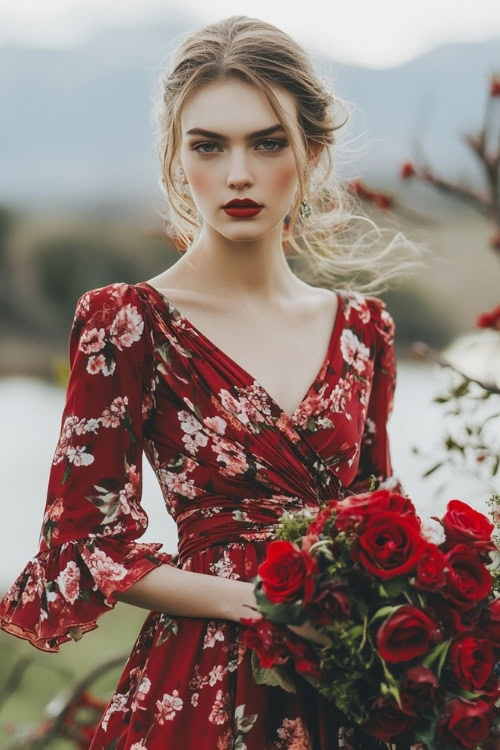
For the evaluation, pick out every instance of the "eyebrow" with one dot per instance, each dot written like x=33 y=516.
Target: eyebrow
x=257 y=134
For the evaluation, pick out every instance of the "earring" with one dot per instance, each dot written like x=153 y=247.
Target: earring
x=180 y=175
x=305 y=209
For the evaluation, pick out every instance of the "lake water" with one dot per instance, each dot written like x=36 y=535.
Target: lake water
x=32 y=410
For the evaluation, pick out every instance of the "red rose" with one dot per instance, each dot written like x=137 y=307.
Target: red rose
x=466 y=723
x=287 y=573
x=268 y=639
x=420 y=691
x=471 y=660
x=490 y=692
x=407 y=633
x=464 y=525
x=304 y=656
x=316 y=526
x=430 y=569
x=355 y=509
x=390 y=544
x=330 y=601
x=386 y=720
x=490 y=621
x=467 y=578
x=448 y=619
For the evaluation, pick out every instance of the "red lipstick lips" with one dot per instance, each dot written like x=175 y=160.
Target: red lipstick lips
x=243 y=208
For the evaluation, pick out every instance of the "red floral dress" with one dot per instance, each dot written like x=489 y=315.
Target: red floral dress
x=228 y=461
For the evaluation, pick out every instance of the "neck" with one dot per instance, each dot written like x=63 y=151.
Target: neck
x=255 y=269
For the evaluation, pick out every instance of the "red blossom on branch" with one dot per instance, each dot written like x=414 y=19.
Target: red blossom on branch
x=489 y=319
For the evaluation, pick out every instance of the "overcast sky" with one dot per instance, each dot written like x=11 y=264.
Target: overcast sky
x=375 y=33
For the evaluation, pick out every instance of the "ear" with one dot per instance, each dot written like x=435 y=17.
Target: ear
x=315 y=150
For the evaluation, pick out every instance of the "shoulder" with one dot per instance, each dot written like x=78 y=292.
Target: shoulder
x=372 y=315
x=105 y=302
x=108 y=320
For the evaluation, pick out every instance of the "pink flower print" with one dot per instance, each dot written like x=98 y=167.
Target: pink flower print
x=55 y=511
x=221 y=710
x=103 y=568
x=178 y=484
x=83 y=305
x=78 y=456
x=228 y=401
x=118 y=703
x=215 y=424
x=112 y=415
x=356 y=301
x=65 y=436
x=127 y=327
x=286 y=426
x=194 y=699
x=197 y=682
x=216 y=673
x=92 y=341
x=97 y=364
x=233 y=459
x=224 y=567
x=225 y=741
x=147 y=405
x=213 y=634
x=35 y=585
x=295 y=734
x=167 y=707
x=194 y=436
x=68 y=581
x=355 y=353
x=142 y=690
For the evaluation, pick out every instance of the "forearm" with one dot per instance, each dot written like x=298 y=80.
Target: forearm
x=183 y=592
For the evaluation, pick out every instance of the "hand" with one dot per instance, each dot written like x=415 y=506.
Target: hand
x=246 y=605
x=310 y=633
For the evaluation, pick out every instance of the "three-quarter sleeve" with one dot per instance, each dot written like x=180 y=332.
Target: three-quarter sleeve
x=374 y=454
x=93 y=514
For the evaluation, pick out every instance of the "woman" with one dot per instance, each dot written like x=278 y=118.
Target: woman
x=249 y=390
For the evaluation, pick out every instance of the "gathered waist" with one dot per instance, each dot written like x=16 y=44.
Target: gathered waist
x=223 y=521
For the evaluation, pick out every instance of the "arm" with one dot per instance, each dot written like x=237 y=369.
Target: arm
x=375 y=455
x=88 y=546
x=190 y=594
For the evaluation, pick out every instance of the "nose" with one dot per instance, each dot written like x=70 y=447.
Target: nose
x=239 y=175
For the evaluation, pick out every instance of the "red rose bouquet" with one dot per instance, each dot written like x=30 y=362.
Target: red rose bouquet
x=407 y=609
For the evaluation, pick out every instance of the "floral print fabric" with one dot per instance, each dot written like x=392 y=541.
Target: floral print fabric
x=228 y=461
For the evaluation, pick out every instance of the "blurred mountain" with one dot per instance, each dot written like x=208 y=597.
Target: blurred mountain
x=76 y=127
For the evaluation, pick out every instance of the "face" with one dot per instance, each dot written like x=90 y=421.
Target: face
x=235 y=162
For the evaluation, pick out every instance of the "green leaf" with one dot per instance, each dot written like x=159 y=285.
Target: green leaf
x=67 y=472
x=291 y=613
x=426 y=734
x=395 y=586
x=384 y=612
x=438 y=655
x=468 y=696
x=276 y=676
x=432 y=469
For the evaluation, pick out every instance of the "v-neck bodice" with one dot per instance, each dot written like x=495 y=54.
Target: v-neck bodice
x=170 y=309
x=229 y=462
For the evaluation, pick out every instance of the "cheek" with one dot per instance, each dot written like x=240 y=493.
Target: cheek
x=283 y=177
x=201 y=180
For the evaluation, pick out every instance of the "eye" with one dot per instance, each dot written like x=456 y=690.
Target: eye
x=279 y=144
x=275 y=142
x=198 y=145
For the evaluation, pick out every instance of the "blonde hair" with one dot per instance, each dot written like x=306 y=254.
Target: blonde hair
x=256 y=52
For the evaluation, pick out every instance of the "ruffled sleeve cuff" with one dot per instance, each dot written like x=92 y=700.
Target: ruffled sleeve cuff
x=62 y=592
